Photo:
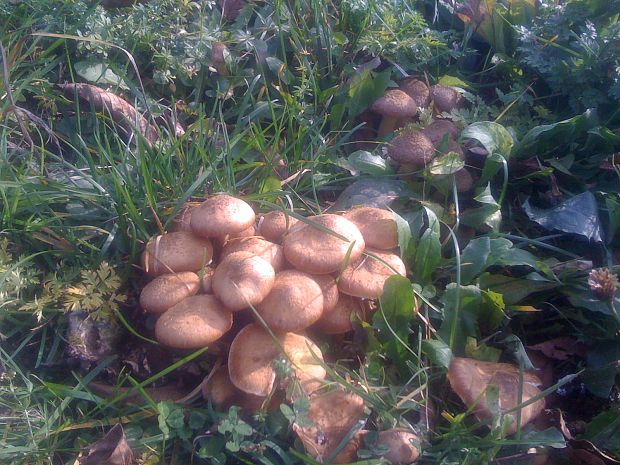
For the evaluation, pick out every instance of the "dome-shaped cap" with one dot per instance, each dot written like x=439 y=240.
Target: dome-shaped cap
x=221 y=215
x=470 y=378
x=167 y=290
x=182 y=220
x=395 y=103
x=445 y=98
x=294 y=303
x=258 y=246
x=366 y=277
x=412 y=147
x=253 y=352
x=417 y=90
x=274 y=225
x=402 y=445
x=439 y=128
x=378 y=226
x=242 y=279
x=330 y=290
x=193 y=323
x=175 y=252
x=316 y=251
x=338 y=320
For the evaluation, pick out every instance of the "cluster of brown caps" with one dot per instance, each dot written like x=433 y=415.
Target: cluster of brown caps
x=296 y=276
x=414 y=149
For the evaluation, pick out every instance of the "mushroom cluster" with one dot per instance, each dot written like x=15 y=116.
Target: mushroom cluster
x=268 y=285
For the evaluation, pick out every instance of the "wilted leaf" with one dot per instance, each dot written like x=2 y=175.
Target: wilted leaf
x=119 y=110
x=577 y=215
x=112 y=449
x=371 y=192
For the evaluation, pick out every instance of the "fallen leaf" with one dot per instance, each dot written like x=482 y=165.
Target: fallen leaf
x=560 y=348
x=119 y=110
x=112 y=449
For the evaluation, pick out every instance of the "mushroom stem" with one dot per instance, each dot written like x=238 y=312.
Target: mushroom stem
x=387 y=126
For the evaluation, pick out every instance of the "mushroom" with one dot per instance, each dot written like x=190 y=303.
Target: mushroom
x=253 y=353
x=206 y=280
x=223 y=393
x=219 y=52
x=193 y=323
x=274 y=225
x=470 y=378
x=313 y=250
x=181 y=221
x=338 y=320
x=394 y=105
x=330 y=290
x=175 y=252
x=445 y=98
x=242 y=279
x=417 y=90
x=258 y=246
x=221 y=215
x=294 y=303
x=403 y=446
x=366 y=276
x=167 y=290
x=412 y=147
x=438 y=129
x=332 y=416
x=377 y=226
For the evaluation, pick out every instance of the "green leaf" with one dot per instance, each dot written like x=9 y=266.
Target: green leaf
x=449 y=163
x=492 y=311
x=600 y=374
x=481 y=351
x=99 y=73
x=437 y=352
x=577 y=215
x=453 y=81
x=427 y=257
x=514 y=345
x=489 y=214
x=550 y=437
x=513 y=290
x=464 y=323
x=365 y=162
x=371 y=192
x=603 y=430
x=492 y=136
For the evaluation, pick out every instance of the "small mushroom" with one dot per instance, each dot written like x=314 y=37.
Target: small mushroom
x=175 y=252
x=338 y=320
x=167 y=290
x=221 y=215
x=439 y=128
x=377 y=226
x=274 y=225
x=294 y=303
x=366 y=277
x=223 y=393
x=412 y=147
x=181 y=221
x=219 y=52
x=253 y=353
x=193 y=323
x=470 y=378
x=403 y=446
x=313 y=250
x=445 y=98
x=394 y=105
x=242 y=279
x=258 y=246
x=417 y=90
x=332 y=416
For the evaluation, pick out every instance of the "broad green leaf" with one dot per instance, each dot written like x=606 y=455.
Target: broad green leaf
x=492 y=136
x=437 y=352
x=577 y=215
x=613 y=211
x=602 y=361
x=492 y=311
x=513 y=290
x=453 y=81
x=461 y=308
x=603 y=430
x=371 y=192
x=488 y=214
x=481 y=351
x=449 y=163
x=99 y=73
x=427 y=257
x=550 y=437
x=365 y=162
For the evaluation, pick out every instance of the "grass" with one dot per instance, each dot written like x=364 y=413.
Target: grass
x=79 y=202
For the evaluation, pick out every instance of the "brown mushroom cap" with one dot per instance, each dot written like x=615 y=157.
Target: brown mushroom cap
x=193 y=323
x=439 y=128
x=175 y=252
x=403 y=446
x=221 y=215
x=294 y=303
x=377 y=226
x=330 y=290
x=242 y=279
x=338 y=320
x=206 y=280
x=181 y=221
x=366 y=277
x=464 y=180
x=412 y=147
x=470 y=378
x=223 y=393
x=445 y=98
x=315 y=251
x=332 y=416
x=274 y=225
x=167 y=290
x=253 y=352
x=258 y=246
x=396 y=104
x=417 y=90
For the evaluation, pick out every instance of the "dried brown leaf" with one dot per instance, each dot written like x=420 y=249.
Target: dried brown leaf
x=561 y=348
x=112 y=449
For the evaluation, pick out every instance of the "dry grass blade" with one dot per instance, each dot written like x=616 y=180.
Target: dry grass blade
x=121 y=111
